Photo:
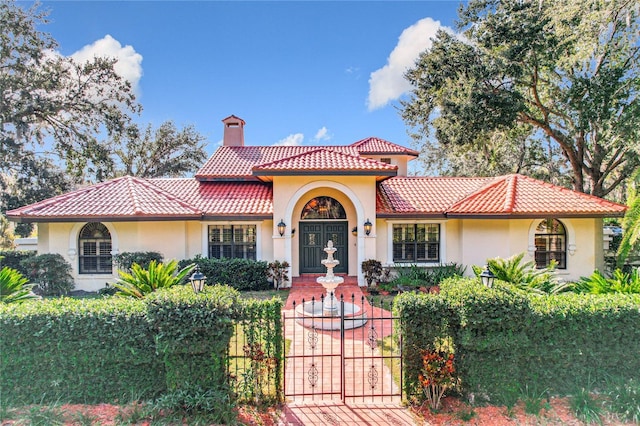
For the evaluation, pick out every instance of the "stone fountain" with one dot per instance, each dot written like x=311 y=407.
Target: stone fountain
x=328 y=314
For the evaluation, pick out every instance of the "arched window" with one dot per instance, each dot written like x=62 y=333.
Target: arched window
x=323 y=208
x=94 y=243
x=551 y=243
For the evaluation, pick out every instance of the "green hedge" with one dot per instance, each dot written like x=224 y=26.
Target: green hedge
x=506 y=339
x=241 y=274
x=114 y=349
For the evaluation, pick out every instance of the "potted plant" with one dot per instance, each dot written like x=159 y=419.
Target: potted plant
x=372 y=270
x=278 y=272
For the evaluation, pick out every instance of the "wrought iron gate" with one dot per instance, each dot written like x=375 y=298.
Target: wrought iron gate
x=346 y=362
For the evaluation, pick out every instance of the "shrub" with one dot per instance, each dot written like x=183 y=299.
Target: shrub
x=141 y=282
x=372 y=270
x=12 y=259
x=14 y=287
x=125 y=260
x=620 y=282
x=241 y=274
x=51 y=274
x=437 y=376
x=524 y=275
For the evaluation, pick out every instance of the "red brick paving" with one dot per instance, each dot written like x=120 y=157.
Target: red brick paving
x=316 y=409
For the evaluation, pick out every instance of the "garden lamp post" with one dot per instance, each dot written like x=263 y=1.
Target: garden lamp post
x=487 y=277
x=197 y=280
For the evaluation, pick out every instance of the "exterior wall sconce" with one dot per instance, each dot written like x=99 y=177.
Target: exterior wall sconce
x=293 y=232
x=197 y=280
x=487 y=277
x=354 y=231
x=281 y=227
x=367 y=227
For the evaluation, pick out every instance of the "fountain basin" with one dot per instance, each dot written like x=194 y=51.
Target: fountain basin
x=313 y=314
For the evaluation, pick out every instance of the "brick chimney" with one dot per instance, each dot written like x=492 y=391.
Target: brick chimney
x=233 y=131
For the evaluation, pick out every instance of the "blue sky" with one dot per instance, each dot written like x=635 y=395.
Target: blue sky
x=297 y=72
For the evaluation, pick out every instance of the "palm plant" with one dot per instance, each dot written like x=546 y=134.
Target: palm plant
x=141 y=282
x=524 y=275
x=14 y=287
x=618 y=283
x=630 y=222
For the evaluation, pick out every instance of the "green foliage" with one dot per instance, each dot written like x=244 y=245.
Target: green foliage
x=524 y=275
x=504 y=334
x=14 y=258
x=77 y=350
x=414 y=276
x=51 y=274
x=256 y=353
x=539 y=88
x=620 y=282
x=6 y=234
x=586 y=407
x=165 y=152
x=241 y=274
x=14 y=287
x=624 y=400
x=630 y=222
x=140 y=282
x=126 y=259
x=210 y=405
x=106 y=350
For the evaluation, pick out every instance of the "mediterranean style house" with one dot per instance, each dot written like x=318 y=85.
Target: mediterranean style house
x=285 y=203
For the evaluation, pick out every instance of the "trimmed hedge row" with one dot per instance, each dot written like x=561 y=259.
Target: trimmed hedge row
x=241 y=274
x=114 y=349
x=506 y=339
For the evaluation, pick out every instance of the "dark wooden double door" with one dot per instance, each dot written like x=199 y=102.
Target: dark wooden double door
x=313 y=239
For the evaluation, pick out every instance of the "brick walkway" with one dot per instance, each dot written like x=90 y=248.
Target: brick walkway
x=323 y=405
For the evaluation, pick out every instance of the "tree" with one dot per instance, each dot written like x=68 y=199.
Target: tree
x=47 y=97
x=565 y=72
x=630 y=222
x=165 y=152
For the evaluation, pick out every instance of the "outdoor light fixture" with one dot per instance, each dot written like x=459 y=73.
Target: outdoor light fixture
x=367 y=227
x=197 y=280
x=281 y=227
x=487 y=277
x=354 y=231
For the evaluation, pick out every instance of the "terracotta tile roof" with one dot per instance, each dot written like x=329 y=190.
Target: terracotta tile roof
x=125 y=197
x=325 y=161
x=237 y=162
x=504 y=196
x=423 y=195
x=518 y=195
x=381 y=146
x=222 y=198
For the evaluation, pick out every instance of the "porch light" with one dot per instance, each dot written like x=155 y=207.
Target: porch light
x=354 y=231
x=487 y=277
x=197 y=280
x=281 y=227
x=367 y=227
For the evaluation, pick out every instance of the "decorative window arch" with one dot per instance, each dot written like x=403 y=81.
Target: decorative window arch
x=323 y=208
x=550 y=241
x=94 y=246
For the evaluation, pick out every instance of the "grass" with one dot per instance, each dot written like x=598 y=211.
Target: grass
x=624 y=400
x=265 y=294
x=586 y=407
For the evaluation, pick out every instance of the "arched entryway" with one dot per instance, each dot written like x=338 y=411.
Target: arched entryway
x=323 y=219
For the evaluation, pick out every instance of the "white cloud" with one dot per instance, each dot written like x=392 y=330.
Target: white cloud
x=322 y=135
x=129 y=65
x=291 y=140
x=388 y=83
